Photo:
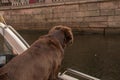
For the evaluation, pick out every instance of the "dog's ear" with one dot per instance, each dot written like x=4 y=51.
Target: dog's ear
x=68 y=35
x=67 y=32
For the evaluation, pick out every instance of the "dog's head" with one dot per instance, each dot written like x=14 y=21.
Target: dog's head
x=68 y=35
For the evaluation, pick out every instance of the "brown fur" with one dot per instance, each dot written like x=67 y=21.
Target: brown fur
x=42 y=60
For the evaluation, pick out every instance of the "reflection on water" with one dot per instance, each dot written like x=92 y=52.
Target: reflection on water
x=96 y=55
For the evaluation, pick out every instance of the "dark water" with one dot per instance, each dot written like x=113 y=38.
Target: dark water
x=1 y=44
x=96 y=55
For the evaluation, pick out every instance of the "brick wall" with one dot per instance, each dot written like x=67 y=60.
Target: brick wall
x=97 y=16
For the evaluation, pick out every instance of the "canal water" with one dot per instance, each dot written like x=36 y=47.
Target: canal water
x=96 y=55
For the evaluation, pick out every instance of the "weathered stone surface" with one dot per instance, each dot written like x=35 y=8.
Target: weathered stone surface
x=83 y=7
x=90 y=30
x=58 y=9
x=83 y=24
x=107 y=12
x=71 y=8
x=117 y=11
x=88 y=15
x=119 y=4
x=98 y=24
x=79 y=14
x=96 y=19
x=77 y=19
x=109 y=5
x=114 y=18
x=112 y=31
x=93 y=6
x=92 y=13
x=113 y=24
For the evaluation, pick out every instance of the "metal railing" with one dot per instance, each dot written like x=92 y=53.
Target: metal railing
x=66 y=76
x=19 y=2
x=18 y=44
x=28 y=2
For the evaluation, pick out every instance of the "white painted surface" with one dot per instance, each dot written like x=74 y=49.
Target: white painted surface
x=13 y=39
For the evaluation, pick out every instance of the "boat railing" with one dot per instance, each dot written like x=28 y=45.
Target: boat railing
x=19 y=36
x=66 y=75
x=13 y=38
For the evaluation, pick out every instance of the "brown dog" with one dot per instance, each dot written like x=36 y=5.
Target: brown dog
x=42 y=60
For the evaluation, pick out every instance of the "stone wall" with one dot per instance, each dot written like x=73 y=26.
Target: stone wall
x=98 y=16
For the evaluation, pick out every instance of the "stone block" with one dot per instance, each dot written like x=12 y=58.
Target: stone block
x=117 y=11
x=67 y=14
x=69 y=19
x=114 y=18
x=77 y=19
x=109 y=5
x=98 y=24
x=56 y=20
x=107 y=12
x=71 y=8
x=50 y=20
x=93 y=6
x=92 y=13
x=47 y=10
x=83 y=24
x=57 y=15
x=113 y=24
x=119 y=4
x=79 y=14
x=90 y=30
x=58 y=9
x=83 y=7
x=112 y=31
x=64 y=19
x=49 y=15
x=95 y=19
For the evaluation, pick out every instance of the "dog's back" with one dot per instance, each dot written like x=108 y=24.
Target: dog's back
x=35 y=63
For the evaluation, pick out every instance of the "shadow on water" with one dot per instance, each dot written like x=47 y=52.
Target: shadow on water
x=96 y=55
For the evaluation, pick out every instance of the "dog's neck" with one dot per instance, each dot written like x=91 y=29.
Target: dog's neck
x=59 y=35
